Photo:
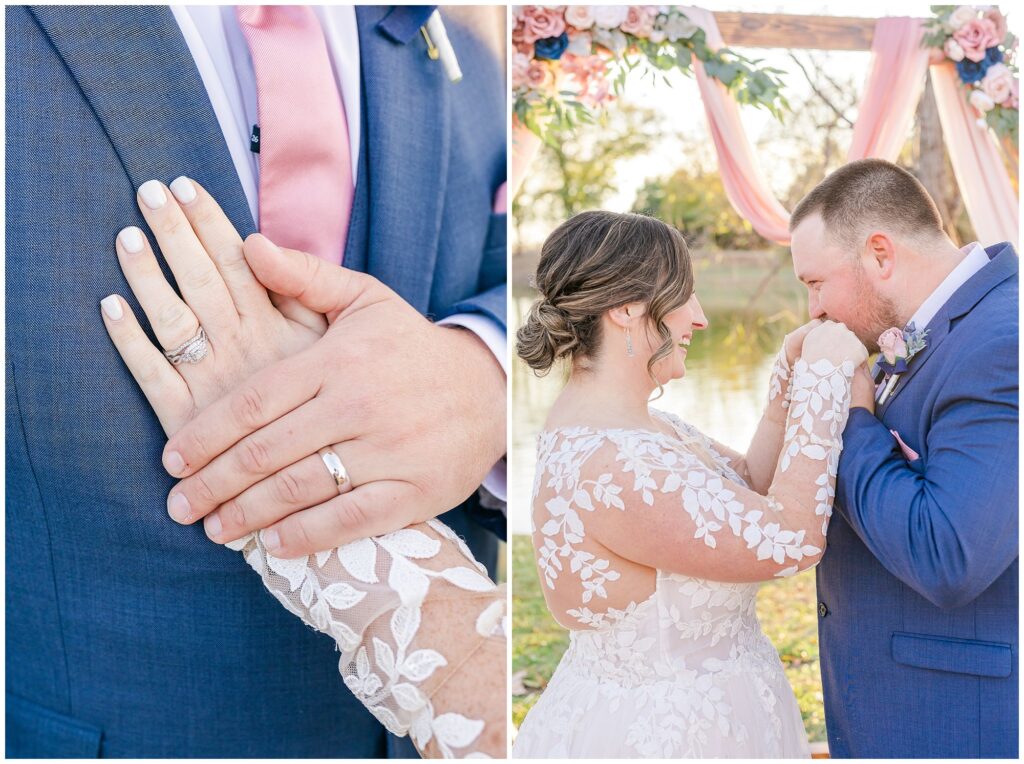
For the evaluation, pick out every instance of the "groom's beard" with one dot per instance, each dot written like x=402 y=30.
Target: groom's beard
x=875 y=313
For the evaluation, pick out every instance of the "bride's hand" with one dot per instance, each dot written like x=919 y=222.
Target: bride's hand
x=794 y=341
x=244 y=329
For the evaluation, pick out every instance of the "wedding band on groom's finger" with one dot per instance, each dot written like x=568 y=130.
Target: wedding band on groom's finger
x=304 y=484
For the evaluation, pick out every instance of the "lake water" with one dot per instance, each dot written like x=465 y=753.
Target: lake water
x=723 y=394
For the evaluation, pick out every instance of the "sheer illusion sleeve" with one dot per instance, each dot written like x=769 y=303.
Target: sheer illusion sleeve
x=757 y=465
x=688 y=517
x=420 y=627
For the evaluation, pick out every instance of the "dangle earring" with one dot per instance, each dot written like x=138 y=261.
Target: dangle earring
x=629 y=343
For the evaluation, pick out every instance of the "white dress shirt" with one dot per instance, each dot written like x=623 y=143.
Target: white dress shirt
x=975 y=260
x=221 y=54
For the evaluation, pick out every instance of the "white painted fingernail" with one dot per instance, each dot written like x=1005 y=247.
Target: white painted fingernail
x=112 y=307
x=152 y=194
x=131 y=239
x=183 y=189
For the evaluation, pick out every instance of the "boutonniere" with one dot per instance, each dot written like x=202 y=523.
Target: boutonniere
x=898 y=346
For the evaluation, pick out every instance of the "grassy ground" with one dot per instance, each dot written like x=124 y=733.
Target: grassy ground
x=786 y=609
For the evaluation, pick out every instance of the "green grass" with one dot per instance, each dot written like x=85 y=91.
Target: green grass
x=786 y=609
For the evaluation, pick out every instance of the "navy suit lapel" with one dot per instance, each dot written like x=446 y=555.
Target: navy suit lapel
x=396 y=220
x=1003 y=263
x=137 y=73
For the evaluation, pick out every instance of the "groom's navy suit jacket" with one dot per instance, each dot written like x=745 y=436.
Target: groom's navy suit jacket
x=128 y=635
x=918 y=588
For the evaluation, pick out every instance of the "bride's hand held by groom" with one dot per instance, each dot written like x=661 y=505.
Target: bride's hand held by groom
x=795 y=345
x=415 y=412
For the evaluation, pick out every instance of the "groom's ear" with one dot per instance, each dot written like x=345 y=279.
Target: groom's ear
x=881 y=254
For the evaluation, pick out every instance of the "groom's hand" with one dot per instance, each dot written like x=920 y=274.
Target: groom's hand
x=415 y=413
x=862 y=393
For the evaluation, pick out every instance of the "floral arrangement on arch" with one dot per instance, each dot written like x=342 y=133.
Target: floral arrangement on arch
x=976 y=39
x=571 y=61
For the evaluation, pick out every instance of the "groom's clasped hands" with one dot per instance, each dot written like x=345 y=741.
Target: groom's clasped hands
x=413 y=411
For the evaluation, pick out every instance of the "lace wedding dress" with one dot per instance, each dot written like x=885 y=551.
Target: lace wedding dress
x=420 y=627
x=660 y=663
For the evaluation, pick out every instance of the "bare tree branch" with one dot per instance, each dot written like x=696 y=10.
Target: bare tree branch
x=840 y=116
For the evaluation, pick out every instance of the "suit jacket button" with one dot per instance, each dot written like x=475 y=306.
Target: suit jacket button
x=822 y=610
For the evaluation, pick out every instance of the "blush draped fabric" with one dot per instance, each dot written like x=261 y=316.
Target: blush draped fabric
x=895 y=82
x=896 y=77
x=977 y=163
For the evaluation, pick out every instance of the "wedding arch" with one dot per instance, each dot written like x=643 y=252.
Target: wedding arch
x=900 y=64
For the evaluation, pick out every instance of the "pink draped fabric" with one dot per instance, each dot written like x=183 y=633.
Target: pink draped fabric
x=525 y=146
x=744 y=182
x=898 y=65
x=894 y=85
x=896 y=77
x=977 y=163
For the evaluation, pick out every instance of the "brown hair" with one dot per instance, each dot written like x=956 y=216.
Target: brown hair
x=870 y=192
x=596 y=261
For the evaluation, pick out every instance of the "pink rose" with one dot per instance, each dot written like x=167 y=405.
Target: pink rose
x=998 y=21
x=540 y=23
x=579 y=16
x=998 y=83
x=526 y=48
x=1014 y=102
x=953 y=49
x=975 y=37
x=520 y=66
x=638 y=22
x=539 y=75
x=892 y=345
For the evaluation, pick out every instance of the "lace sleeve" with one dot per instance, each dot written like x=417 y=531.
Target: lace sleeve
x=691 y=519
x=420 y=627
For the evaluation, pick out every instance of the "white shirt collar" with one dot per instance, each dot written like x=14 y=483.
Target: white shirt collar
x=976 y=259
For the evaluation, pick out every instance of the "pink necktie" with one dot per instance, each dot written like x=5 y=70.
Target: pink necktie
x=304 y=156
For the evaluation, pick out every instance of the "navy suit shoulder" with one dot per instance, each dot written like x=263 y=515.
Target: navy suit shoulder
x=918 y=587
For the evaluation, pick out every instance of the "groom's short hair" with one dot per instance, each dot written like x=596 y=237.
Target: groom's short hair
x=870 y=193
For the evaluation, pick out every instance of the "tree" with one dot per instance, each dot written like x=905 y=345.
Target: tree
x=576 y=169
x=693 y=200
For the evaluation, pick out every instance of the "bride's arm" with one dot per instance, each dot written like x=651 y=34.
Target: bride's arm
x=687 y=519
x=420 y=627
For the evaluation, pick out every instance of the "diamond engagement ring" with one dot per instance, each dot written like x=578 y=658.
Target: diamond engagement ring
x=337 y=469
x=192 y=350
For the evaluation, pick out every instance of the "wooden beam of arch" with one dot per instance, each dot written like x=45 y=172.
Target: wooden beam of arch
x=776 y=30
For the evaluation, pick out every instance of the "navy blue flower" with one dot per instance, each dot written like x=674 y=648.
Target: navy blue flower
x=971 y=71
x=993 y=56
x=551 y=48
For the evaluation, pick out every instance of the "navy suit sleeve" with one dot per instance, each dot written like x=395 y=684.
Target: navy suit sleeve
x=490 y=303
x=950 y=530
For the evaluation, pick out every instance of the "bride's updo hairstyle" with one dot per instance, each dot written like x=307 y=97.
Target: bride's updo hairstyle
x=596 y=261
